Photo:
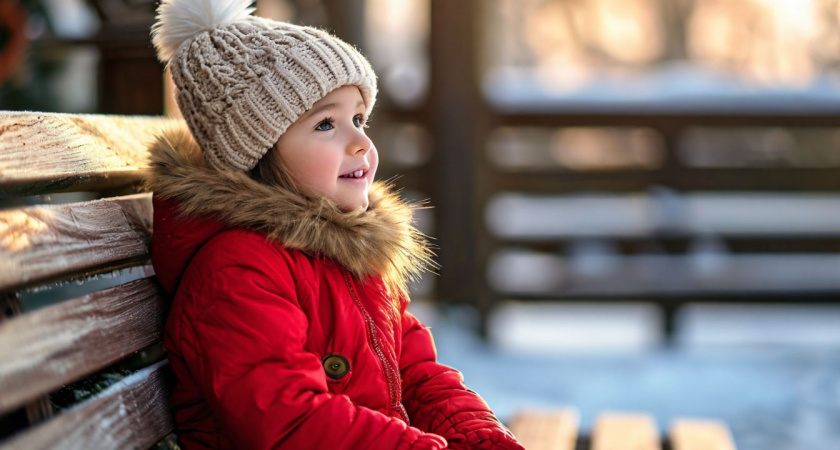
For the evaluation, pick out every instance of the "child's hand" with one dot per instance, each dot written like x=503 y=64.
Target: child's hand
x=428 y=441
x=496 y=438
x=484 y=434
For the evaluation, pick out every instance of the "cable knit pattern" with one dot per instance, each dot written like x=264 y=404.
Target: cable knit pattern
x=240 y=85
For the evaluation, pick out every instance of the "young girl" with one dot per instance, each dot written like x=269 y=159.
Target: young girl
x=287 y=262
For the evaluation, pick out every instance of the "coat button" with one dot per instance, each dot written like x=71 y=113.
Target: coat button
x=336 y=366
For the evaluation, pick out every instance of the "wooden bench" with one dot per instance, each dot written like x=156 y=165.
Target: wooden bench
x=52 y=344
x=83 y=314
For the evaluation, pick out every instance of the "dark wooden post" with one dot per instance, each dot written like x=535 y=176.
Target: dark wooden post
x=458 y=125
x=346 y=19
x=130 y=76
x=131 y=80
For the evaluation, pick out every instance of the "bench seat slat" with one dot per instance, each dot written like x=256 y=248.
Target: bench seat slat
x=546 y=430
x=48 y=152
x=625 y=431
x=50 y=347
x=695 y=434
x=42 y=242
x=133 y=413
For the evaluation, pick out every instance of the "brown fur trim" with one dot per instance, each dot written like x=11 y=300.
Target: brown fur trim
x=381 y=240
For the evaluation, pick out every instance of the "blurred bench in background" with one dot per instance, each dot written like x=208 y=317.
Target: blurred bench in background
x=647 y=198
x=558 y=430
x=672 y=209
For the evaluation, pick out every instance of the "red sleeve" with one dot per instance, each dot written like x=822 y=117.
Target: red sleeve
x=437 y=399
x=243 y=343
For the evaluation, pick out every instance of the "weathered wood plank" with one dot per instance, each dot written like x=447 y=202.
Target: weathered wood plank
x=625 y=431
x=695 y=434
x=546 y=430
x=42 y=242
x=133 y=413
x=48 y=152
x=49 y=347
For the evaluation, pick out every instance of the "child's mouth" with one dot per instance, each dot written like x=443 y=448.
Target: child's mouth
x=357 y=174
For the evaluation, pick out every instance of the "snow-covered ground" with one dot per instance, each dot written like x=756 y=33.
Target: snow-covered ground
x=772 y=373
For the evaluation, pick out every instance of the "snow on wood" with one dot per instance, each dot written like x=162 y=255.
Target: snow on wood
x=43 y=242
x=133 y=413
x=48 y=152
x=47 y=348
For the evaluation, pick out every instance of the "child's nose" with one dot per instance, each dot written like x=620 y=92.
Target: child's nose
x=360 y=143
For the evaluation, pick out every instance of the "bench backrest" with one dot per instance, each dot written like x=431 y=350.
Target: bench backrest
x=76 y=285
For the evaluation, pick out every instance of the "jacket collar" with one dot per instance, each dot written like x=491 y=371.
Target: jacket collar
x=380 y=241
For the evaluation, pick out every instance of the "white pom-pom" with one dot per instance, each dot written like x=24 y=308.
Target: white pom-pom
x=179 y=20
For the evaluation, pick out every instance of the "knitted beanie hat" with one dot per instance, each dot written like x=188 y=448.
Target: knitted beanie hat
x=242 y=80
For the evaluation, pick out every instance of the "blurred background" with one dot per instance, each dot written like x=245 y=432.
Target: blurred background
x=636 y=202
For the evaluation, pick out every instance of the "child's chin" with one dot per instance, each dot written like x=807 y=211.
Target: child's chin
x=354 y=206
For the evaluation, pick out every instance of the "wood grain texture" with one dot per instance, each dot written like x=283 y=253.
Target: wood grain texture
x=133 y=413
x=43 y=242
x=625 y=431
x=48 y=152
x=52 y=346
x=696 y=434
x=546 y=430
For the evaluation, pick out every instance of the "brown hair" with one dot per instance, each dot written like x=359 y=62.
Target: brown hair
x=272 y=170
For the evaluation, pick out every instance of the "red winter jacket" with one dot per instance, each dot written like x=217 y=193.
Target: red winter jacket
x=283 y=332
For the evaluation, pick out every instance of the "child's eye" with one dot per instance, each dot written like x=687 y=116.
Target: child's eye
x=359 y=121
x=325 y=125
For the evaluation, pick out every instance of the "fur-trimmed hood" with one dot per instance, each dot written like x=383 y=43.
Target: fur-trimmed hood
x=380 y=241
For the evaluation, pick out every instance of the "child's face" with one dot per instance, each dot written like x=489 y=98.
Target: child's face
x=328 y=153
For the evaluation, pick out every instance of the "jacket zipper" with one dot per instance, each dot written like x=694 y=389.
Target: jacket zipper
x=394 y=394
